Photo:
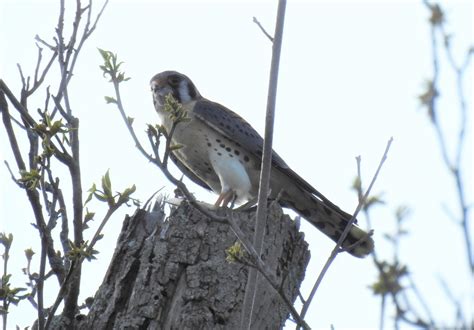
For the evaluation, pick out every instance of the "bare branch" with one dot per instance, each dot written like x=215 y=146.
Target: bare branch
x=264 y=182
x=255 y=20
x=22 y=76
x=40 y=285
x=75 y=264
x=11 y=174
x=47 y=241
x=30 y=122
x=41 y=41
x=66 y=55
x=337 y=248
x=38 y=81
x=453 y=164
x=58 y=107
x=462 y=321
x=88 y=30
x=421 y=300
x=38 y=62
x=390 y=282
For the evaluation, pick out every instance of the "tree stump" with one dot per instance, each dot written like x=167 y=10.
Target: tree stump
x=173 y=273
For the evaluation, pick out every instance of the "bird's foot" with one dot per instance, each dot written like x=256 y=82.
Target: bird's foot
x=225 y=198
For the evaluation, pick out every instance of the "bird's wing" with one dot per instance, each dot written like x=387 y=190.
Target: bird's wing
x=186 y=171
x=236 y=129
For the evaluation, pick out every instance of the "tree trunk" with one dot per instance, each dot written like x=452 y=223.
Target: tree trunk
x=174 y=274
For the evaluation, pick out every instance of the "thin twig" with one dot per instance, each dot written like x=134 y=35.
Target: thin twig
x=400 y=311
x=454 y=166
x=33 y=196
x=168 y=144
x=138 y=145
x=41 y=41
x=64 y=54
x=382 y=311
x=54 y=260
x=264 y=182
x=18 y=106
x=6 y=303
x=31 y=283
x=38 y=81
x=22 y=76
x=88 y=30
x=256 y=21
x=12 y=175
x=40 y=285
x=337 y=248
x=421 y=300
x=75 y=264
x=457 y=305
x=38 y=62
x=67 y=56
x=59 y=297
x=29 y=121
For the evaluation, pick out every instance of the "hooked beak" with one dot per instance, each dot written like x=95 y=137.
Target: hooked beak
x=160 y=92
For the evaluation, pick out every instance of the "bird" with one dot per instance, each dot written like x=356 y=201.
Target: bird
x=220 y=151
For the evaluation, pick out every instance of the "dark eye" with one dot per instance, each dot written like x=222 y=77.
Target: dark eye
x=174 y=80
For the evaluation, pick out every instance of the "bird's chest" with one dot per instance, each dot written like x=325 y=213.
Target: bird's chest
x=221 y=163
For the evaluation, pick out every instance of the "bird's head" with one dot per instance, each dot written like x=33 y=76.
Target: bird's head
x=174 y=83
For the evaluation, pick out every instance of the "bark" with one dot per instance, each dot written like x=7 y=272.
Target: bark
x=173 y=273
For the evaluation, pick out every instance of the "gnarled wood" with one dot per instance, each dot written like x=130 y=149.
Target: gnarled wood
x=173 y=274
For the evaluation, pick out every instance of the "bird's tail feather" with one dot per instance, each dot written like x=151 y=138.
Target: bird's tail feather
x=332 y=221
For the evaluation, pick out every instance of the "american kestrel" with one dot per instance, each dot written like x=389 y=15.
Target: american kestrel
x=222 y=152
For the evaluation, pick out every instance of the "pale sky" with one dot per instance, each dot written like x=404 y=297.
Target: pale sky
x=350 y=75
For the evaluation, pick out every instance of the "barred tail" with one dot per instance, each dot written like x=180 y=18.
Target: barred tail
x=332 y=221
